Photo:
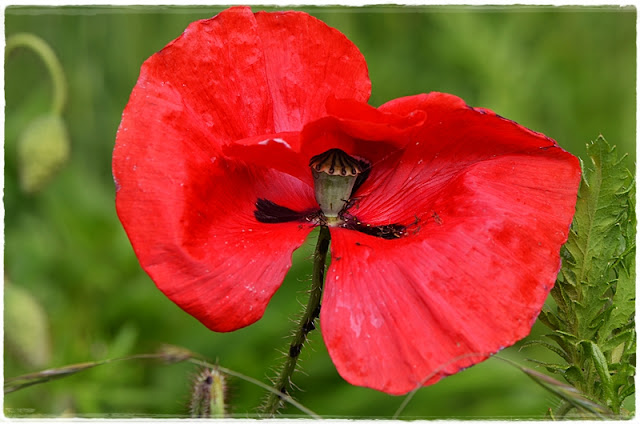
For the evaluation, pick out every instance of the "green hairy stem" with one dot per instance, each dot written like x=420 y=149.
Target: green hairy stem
x=283 y=382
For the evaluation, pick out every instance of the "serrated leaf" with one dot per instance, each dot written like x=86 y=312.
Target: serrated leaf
x=570 y=338
x=600 y=363
x=627 y=392
x=549 y=319
x=566 y=344
x=559 y=294
x=595 y=234
x=619 y=339
x=622 y=374
x=616 y=353
x=623 y=307
x=595 y=290
x=574 y=375
x=630 y=347
x=549 y=346
x=551 y=367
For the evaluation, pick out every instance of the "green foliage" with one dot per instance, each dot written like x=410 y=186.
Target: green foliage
x=26 y=327
x=540 y=66
x=43 y=145
x=593 y=323
x=569 y=394
x=208 y=388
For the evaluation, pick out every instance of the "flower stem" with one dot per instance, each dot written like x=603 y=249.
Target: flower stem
x=305 y=325
x=46 y=53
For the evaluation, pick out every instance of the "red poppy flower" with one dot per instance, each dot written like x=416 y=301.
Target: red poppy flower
x=446 y=221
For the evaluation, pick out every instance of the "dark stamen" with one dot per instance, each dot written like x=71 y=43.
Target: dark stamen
x=271 y=213
x=362 y=176
x=387 y=232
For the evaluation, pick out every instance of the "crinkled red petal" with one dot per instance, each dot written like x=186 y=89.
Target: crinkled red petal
x=452 y=139
x=239 y=75
x=487 y=205
x=193 y=228
x=280 y=152
x=211 y=127
x=308 y=62
x=359 y=130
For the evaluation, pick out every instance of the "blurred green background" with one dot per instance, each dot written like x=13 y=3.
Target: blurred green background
x=566 y=72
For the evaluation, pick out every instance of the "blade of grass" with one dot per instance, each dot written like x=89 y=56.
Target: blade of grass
x=169 y=354
x=568 y=393
x=412 y=393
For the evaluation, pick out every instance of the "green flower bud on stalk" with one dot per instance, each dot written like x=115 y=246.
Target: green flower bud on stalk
x=43 y=147
x=26 y=327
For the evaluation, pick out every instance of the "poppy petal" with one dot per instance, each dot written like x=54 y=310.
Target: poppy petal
x=399 y=314
x=484 y=227
x=308 y=62
x=239 y=75
x=194 y=230
x=359 y=130
x=452 y=140
x=276 y=151
x=186 y=197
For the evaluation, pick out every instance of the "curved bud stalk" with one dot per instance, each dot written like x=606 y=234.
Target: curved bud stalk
x=48 y=56
x=43 y=146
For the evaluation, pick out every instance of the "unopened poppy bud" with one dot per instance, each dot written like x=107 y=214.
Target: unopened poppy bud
x=207 y=397
x=27 y=331
x=334 y=175
x=42 y=149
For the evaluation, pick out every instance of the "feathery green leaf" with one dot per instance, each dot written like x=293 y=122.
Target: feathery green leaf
x=593 y=321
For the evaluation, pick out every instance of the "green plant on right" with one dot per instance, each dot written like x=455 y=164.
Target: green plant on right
x=592 y=325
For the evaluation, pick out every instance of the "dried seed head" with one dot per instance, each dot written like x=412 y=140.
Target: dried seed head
x=334 y=173
x=336 y=162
